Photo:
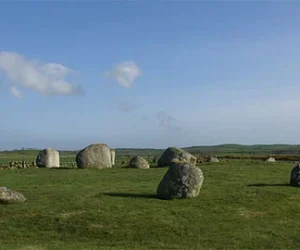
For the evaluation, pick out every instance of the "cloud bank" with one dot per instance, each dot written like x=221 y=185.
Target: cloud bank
x=45 y=78
x=125 y=73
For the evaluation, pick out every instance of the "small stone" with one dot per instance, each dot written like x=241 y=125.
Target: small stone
x=138 y=162
x=8 y=196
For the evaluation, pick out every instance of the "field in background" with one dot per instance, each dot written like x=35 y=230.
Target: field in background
x=241 y=206
x=280 y=152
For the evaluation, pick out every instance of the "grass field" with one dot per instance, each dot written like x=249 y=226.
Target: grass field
x=241 y=206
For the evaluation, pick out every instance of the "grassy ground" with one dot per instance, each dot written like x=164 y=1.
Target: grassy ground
x=241 y=206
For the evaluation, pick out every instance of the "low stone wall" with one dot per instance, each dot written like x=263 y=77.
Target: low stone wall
x=18 y=164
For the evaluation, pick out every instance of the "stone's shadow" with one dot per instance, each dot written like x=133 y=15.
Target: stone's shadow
x=131 y=195
x=269 y=185
x=155 y=166
x=63 y=168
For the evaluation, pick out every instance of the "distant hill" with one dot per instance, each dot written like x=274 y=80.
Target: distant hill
x=223 y=149
x=220 y=150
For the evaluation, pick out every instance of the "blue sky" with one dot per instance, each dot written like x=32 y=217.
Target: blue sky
x=149 y=74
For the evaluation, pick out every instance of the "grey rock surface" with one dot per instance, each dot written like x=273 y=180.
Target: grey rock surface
x=295 y=176
x=180 y=181
x=94 y=156
x=8 y=196
x=138 y=162
x=175 y=155
x=48 y=158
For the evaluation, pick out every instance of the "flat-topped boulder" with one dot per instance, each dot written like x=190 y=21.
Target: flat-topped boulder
x=182 y=180
x=8 y=196
x=138 y=162
x=175 y=155
x=48 y=158
x=94 y=156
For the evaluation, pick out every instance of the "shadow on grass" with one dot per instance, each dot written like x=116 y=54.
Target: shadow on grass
x=156 y=166
x=269 y=185
x=64 y=168
x=151 y=166
x=132 y=195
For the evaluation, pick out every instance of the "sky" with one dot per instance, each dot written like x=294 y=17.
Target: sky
x=148 y=74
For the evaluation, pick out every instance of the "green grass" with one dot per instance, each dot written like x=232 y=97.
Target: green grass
x=241 y=206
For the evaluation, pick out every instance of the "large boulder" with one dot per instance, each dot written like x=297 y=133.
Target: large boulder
x=48 y=158
x=175 y=155
x=295 y=176
x=138 y=162
x=8 y=196
x=94 y=156
x=182 y=180
x=112 y=156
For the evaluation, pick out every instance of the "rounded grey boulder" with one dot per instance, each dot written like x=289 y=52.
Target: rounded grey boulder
x=138 y=162
x=180 y=181
x=8 y=196
x=94 y=156
x=295 y=176
x=175 y=155
x=48 y=158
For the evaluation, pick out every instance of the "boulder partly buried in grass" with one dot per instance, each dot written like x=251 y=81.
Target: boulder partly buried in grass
x=295 y=176
x=175 y=155
x=138 y=162
x=8 y=196
x=182 y=180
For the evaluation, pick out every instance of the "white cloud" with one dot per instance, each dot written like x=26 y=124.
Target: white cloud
x=125 y=73
x=48 y=79
x=15 y=92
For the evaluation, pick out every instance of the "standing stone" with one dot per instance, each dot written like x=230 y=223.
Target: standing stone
x=295 y=176
x=113 y=156
x=174 y=155
x=182 y=180
x=138 y=162
x=94 y=156
x=8 y=196
x=48 y=158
